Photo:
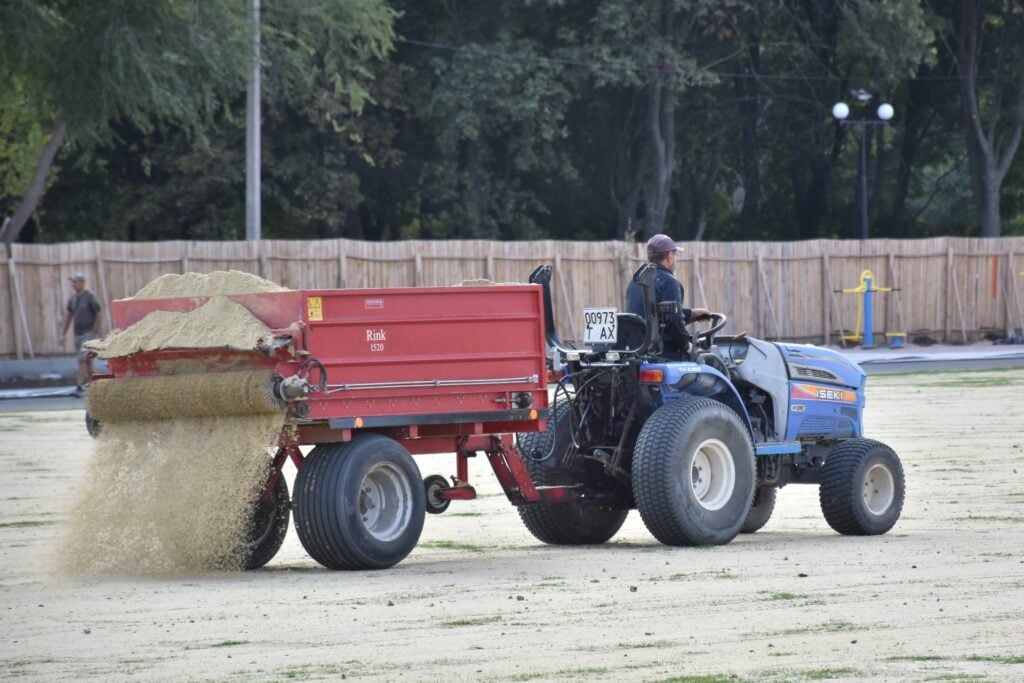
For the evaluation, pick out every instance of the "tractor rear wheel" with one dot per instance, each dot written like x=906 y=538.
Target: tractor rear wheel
x=760 y=510
x=693 y=472
x=268 y=526
x=862 y=488
x=359 y=505
x=567 y=523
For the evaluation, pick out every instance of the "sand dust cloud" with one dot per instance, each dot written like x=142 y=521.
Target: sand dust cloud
x=167 y=496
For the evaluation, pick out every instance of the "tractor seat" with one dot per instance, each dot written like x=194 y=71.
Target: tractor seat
x=631 y=331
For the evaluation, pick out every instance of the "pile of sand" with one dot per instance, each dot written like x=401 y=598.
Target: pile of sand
x=224 y=282
x=219 y=323
x=172 y=496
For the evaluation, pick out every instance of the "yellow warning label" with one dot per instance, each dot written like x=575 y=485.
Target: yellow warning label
x=314 y=308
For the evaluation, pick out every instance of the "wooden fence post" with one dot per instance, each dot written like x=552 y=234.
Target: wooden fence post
x=16 y=290
x=826 y=323
x=13 y=297
x=948 y=318
x=758 y=308
x=1011 y=273
x=102 y=277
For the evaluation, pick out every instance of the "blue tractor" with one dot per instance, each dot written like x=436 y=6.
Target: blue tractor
x=700 y=444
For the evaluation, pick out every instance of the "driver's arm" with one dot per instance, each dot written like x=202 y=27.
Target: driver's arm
x=691 y=314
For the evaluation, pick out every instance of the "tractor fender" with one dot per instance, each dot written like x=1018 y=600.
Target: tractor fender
x=695 y=379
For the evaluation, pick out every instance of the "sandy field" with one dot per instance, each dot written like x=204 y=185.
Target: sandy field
x=941 y=597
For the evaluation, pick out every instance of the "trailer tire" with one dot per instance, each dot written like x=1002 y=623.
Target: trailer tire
x=760 y=509
x=694 y=472
x=567 y=523
x=359 y=505
x=268 y=526
x=862 y=488
x=433 y=487
x=94 y=427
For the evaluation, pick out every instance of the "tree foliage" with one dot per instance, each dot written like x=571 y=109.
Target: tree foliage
x=707 y=119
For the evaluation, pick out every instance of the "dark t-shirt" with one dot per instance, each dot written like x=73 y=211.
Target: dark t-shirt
x=666 y=288
x=84 y=308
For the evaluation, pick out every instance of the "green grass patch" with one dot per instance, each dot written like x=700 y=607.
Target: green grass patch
x=827 y=627
x=989 y=518
x=821 y=674
x=975 y=382
x=27 y=523
x=786 y=596
x=581 y=672
x=917 y=658
x=453 y=545
x=650 y=644
x=223 y=643
x=696 y=576
x=230 y=643
x=321 y=671
x=942 y=375
x=998 y=659
x=473 y=621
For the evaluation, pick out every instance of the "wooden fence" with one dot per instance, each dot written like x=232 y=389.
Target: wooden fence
x=948 y=289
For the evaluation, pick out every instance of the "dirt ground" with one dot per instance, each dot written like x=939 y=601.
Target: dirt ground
x=941 y=597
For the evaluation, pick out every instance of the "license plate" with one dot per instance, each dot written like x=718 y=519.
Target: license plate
x=600 y=325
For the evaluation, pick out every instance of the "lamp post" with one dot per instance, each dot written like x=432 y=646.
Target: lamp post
x=841 y=112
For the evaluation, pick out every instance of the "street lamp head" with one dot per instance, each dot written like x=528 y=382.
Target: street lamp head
x=885 y=111
x=840 y=110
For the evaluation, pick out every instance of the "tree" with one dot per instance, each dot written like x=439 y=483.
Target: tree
x=993 y=108
x=167 y=72
x=92 y=64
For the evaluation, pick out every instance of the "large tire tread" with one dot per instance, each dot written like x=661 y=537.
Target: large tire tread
x=262 y=548
x=323 y=512
x=760 y=509
x=841 y=489
x=663 y=499
x=568 y=523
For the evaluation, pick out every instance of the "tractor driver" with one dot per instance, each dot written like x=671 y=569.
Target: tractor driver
x=661 y=251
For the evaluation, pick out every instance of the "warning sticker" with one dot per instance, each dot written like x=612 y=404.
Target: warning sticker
x=314 y=308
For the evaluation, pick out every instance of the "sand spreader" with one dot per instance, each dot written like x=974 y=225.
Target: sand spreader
x=368 y=377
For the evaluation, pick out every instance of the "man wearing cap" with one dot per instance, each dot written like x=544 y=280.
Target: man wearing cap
x=84 y=310
x=661 y=251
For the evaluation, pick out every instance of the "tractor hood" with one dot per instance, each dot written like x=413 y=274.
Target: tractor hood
x=816 y=363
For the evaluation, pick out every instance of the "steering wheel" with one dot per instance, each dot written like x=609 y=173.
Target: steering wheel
x=706 y=337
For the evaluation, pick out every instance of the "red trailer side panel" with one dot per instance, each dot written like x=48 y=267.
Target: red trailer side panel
x=471 y=351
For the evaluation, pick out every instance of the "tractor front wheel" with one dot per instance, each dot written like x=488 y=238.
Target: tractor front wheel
x=862 y=488
x=693 y=472
x=359 y=505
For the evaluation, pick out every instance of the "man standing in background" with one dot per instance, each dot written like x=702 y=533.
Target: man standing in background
x=84 y=310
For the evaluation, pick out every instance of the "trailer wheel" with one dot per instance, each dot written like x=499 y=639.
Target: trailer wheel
x=693 y=472
x=568 y=523
x=432 y=487
x=760 y=510
x=268 y=527
x=92 y=426
x=862 y=488
x=359 y=505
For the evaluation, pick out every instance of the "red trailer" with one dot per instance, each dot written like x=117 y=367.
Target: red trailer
x=368 y=377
